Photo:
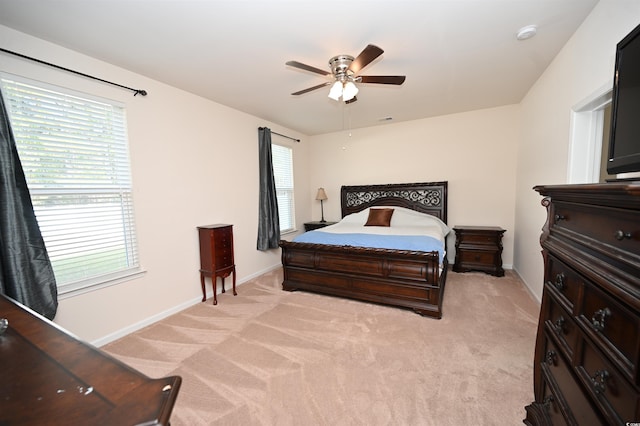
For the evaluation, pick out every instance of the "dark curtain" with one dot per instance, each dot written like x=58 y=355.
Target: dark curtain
x=269 y=220
x=26 y=274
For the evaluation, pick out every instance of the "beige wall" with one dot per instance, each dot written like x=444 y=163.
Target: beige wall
x=474 y=151
x=583 y=66
x=194 y=162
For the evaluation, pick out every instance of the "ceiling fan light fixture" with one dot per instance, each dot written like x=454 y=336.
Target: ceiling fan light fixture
x=527 y=32
x=336 y=91
x=349 y=92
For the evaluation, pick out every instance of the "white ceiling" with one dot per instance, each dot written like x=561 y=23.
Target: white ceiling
x=458 y=55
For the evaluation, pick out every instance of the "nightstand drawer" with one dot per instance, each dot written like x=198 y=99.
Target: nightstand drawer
x=481 y=238
x=478 y=257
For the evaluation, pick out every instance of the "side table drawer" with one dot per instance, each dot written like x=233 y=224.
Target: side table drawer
x=490 y=239
x=478 y=258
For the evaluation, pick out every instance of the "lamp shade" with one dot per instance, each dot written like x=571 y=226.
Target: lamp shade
x=349 y=92
x=336 y=91
x=321 y=195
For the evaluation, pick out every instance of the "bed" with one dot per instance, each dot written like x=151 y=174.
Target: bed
x=406 y=278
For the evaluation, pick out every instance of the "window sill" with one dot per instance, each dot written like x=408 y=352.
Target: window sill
x=86 y=286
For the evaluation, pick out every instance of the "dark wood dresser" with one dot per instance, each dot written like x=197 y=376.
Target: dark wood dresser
x=216 y=256
x=479 y=248
x=49 y=377
x=587 y=349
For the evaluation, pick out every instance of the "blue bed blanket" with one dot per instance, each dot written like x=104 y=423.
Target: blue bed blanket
x=394 y=242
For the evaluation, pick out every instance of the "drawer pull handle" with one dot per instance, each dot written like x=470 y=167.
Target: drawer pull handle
x=599 y=381
x=621 y=235
x=559 y=325
x=559 y=282
x=599 y=317
x=551 y=357
x=559 y=217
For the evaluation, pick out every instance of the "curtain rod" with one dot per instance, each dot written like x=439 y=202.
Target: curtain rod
x=279 y=134
x=135 y=91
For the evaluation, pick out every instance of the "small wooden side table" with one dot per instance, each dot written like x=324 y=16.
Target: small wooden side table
x=310 y=226
x=216 y=256
x=479 y=248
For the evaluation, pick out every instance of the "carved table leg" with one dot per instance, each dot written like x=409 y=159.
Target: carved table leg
x=214 y=279
x=204 y=292
x=234 y=282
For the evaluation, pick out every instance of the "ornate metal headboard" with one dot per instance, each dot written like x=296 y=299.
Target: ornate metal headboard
x=428 y=197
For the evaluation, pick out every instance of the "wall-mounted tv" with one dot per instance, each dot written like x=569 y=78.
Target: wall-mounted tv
x=624 y=143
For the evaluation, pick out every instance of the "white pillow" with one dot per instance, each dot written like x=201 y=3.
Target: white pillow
x=406 y=217
x=401 y=217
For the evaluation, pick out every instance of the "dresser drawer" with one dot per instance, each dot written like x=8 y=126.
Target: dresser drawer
x=565 y=282
x=552 y=404
x=615 y=394
x=618 y=228
x=561 y=324
x=614 y=326
x=559 y=374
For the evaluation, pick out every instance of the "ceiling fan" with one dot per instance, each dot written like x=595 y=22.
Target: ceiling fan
x=344 y=73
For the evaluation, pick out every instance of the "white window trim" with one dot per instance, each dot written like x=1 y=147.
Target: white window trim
x=586 y=136
x=88 y=285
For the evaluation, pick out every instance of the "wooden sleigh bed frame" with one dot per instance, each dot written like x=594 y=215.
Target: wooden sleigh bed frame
x=407 y=279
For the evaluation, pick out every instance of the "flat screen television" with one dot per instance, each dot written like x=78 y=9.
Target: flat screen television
x=624 y=142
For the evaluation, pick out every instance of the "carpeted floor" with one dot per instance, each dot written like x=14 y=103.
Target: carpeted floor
x=269 y=357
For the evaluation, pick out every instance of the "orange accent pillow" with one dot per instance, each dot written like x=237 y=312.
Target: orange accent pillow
x=379 y=217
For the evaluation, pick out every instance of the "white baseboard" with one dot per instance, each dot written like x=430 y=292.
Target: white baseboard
x=173 y=310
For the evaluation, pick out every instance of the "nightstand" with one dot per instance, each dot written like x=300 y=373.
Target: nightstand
x=479 y=248
x=310 y=226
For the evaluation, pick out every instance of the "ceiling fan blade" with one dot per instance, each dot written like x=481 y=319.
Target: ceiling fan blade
x=311 y=88
x=382 y=79
x=365 y=57
x=305 y=67
x=350 y=101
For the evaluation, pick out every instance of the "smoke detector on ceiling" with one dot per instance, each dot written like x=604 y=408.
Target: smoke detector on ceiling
x=527 y=32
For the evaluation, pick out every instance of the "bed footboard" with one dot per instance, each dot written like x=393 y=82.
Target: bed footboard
x=400 y=278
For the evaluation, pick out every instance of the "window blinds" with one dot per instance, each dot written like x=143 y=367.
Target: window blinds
x=74 y=153
x=282 y=157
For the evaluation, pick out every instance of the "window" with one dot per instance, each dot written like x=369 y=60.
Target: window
x=74 y=153
x=282 y=157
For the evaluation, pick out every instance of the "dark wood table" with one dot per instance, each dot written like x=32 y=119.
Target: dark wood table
x=48 y=376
